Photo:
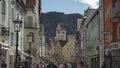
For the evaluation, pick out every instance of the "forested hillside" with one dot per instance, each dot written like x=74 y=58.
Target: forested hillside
x=51 y=20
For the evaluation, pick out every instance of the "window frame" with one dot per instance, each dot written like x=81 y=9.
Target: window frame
x=30 y=21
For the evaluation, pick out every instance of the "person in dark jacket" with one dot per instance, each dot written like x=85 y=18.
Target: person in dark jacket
x=51 y=65
x=103 y=65
x=4 y=65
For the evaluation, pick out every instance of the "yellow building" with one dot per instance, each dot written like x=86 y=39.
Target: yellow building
x=69 y=49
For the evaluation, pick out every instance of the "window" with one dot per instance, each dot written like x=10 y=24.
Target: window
x=12 y=39
x=58 y=31
x=17 y=16
x=30 y=21
x=40 y=27
x=73 y=48
x=118 y=31
x=67 y=48
x=3 y=10
x=3 y=7
x=12 y=13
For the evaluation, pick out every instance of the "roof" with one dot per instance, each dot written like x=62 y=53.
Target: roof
x=90 y=16
x=48 y=41
x=63 y=42
x=30 y=3
x=54 y=41
x=62 y=26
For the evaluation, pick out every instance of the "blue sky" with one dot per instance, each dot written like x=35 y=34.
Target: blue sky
x=68 y=6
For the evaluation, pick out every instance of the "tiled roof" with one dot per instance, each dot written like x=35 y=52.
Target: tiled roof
x=90 y=16
x=63 y=42
x=54 y=41
x=62 y=25
x=30 y=3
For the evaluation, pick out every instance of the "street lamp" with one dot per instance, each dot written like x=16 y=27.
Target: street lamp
x=17 y=26
x=30 y=37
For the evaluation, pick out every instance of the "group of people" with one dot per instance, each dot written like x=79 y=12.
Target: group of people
x=53 y=65
x=66 y=65
x=42 y=65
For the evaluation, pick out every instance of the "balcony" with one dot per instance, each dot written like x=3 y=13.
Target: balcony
x=114 y=46
x=21 y=3
x=113 y=14
x=118 y=8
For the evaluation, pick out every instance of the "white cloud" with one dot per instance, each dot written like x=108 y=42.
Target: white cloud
x=92 y=3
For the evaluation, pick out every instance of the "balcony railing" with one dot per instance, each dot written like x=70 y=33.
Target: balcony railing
x=113 y=14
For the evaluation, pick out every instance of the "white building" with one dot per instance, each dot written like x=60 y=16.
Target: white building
x=11 y=10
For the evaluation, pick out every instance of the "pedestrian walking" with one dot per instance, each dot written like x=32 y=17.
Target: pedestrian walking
x=69 y=65
x=118 y=65
x=43 y=65
x=61 y=65
x=51 y=65
x=103 y=65
x=46 y=63
x=81 y=65
x=40 y=65
x=65 y=65
x=4 y=65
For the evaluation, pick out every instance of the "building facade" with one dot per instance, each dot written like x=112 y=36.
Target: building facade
x=92 y=35
x=69 y=49
x=57 y=50
x=112 y=22
x=32 y=22
x=10 y=10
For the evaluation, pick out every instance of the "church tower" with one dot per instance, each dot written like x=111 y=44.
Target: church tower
x=61 y=32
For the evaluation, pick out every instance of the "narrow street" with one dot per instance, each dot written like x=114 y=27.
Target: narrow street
x=59 y=33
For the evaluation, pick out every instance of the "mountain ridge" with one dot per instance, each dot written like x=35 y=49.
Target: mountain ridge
x=50 y=21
